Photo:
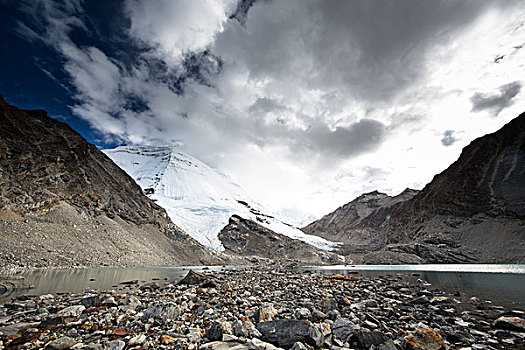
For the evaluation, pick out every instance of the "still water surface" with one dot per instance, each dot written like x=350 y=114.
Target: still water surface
x=502 y=284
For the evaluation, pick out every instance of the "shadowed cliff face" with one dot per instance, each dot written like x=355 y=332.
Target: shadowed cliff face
x=488 y=177
x=50 y=174
x=474 y=211
x=43 y=161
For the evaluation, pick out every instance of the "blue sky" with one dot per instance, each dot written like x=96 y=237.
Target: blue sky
x=305 y=103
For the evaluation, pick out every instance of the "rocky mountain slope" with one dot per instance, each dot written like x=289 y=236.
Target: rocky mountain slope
x=63 y=202
x=247 y=240
x=343 y=224
x=474 y=211
x=196 y=196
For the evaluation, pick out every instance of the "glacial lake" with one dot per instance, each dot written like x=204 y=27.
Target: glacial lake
x=502 y=284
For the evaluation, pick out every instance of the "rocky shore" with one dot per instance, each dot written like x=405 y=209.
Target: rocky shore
x=261 y=308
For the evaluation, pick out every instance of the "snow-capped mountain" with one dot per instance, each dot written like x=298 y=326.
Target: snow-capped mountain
x=198 y=198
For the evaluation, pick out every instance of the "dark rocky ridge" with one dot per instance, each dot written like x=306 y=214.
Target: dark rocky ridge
x=245 y=239
x=473 y=211
x=343 y=224
x=52 y=180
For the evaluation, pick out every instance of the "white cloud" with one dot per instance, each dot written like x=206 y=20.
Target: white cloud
x=314 y=102
x=177 y=26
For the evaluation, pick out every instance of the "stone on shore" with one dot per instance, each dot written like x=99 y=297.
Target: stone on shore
x=61 y=343
x=424 y=338
x=512 y=323
x=285 y=333
x=161 y=310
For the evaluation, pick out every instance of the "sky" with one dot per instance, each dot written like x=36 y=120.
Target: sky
x=305 y=103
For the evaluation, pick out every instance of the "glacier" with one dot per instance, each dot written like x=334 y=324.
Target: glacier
x=198 y=198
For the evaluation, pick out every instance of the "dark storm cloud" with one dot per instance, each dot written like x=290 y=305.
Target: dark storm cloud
x=341 y=142
x=448 y=138
x=241 y=12
x=362 y=136
x=496 y=102
x=373 y=49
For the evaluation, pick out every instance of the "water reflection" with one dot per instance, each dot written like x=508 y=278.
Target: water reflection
x=502 y=284
x=78 y=280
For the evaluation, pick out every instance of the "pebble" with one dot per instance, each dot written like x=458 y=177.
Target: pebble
x=258 y=309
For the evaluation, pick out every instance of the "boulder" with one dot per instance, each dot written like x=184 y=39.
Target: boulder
x=285 y=333
x=73 y=311
x=342 y=329
x=115 y=345
x=61 y=343
x=161 y=310
x=424 y=338
x=220 y=345
x=215 y=331
x=194 y=278
x=90 y=301
x=366 y=338
x=511 y=323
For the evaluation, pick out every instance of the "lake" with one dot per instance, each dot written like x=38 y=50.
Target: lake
x=502 y=284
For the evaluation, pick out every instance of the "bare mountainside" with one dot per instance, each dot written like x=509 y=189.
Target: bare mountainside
x=474 y=211
x=249 y=242
x=63 y=202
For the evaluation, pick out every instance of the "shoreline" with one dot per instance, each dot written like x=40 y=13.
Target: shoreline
x=251 y=308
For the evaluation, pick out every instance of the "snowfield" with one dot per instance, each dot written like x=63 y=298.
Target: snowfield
x=198 y=198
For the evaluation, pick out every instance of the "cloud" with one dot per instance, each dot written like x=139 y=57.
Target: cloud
x=359 y=137
x=448 y=138
x=176 y=27
x=498 y=101
x=50 y=21
x=368 y=51
x=305 y=89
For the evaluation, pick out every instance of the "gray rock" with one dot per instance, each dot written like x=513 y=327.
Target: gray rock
x=71 y=311
x=511 y=323
x=220 y=345
x=92 y=346
x=250 y=330
x=215 y=331
x=343 y=329
x=137 y=340
x=61 y=343
x=388 y=345
x=194 y=278
x=299 y=346
x=130 y=302
x=90 y=300
x=161 y=310
x=328 y=304
x=333 y=314
x=237 y=328
x=319 y=315
x=285 y=333
x=321 y=334
x=115 y=345
x=302 y=313
x=365 y=338
x=257 y=344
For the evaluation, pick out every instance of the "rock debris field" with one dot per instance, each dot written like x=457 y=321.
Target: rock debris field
x=260 y=308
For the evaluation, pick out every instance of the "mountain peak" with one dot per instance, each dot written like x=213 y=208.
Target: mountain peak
x=199 y=198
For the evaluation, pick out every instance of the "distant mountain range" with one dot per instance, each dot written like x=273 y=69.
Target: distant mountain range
x=200 y=199
x=474 y=211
